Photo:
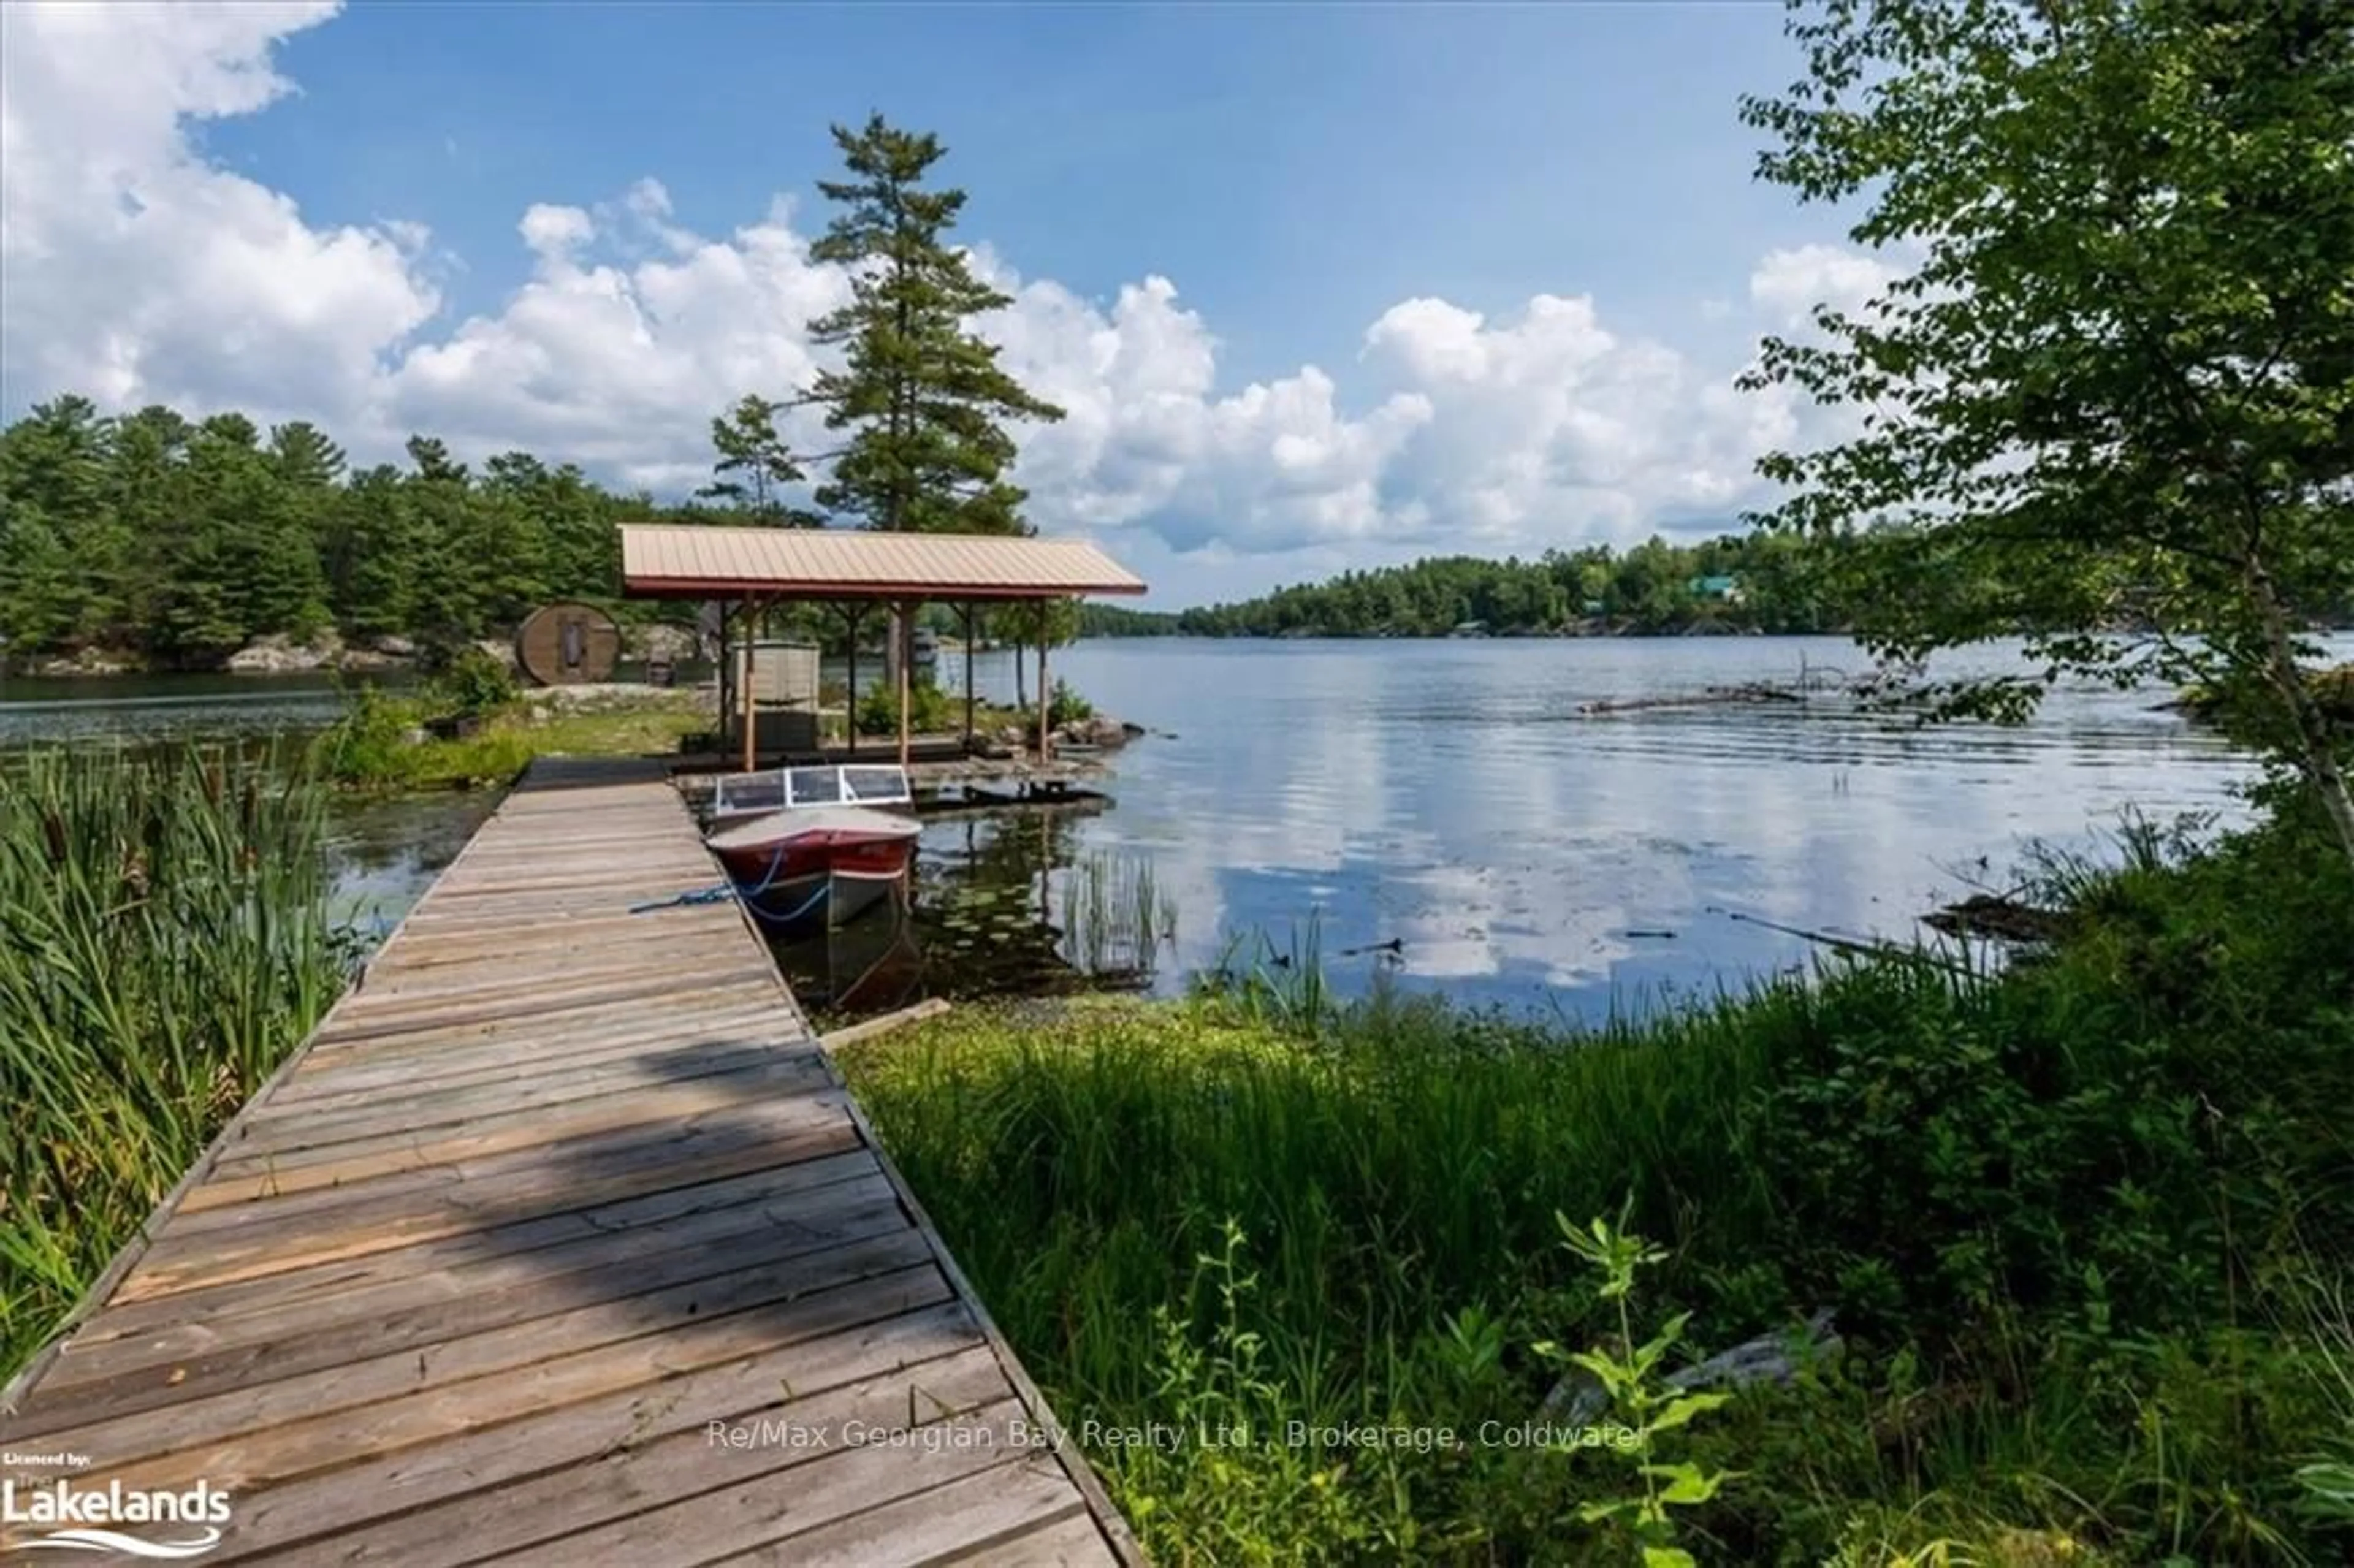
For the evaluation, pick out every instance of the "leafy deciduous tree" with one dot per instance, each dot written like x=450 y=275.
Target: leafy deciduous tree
x=2117 y=397
x=1029 y=623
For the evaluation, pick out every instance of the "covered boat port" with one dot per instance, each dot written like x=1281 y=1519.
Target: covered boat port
x=749 y=571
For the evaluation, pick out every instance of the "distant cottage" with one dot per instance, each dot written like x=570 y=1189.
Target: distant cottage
x=1726 y=589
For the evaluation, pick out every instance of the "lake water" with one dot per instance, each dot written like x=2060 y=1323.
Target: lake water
x=1446 y=797
x=133 y=708
x=1444 y=800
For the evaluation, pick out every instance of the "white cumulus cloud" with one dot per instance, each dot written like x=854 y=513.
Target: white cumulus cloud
x=130 y=269
x=1791 y=283
x=137 y=271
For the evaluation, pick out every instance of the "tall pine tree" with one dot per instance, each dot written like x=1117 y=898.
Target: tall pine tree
x=922 y=396
x=450 y=591
x=59 y=540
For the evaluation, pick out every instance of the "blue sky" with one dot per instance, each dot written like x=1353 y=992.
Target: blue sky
x=1357 y=210
x=1296 y=169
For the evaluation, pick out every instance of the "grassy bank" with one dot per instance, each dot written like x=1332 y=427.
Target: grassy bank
x=386 y=742
x=2085 y=1229
x=383 y=743
x=164 y=943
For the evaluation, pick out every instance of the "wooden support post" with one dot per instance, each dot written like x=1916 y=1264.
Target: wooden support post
x=852 y=614
x=967 y=677
x=1046 y=702
x=751 y=689
x=727 y=683
x=904 y=631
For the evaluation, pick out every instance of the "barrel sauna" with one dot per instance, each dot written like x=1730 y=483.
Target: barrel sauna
x=568 y=644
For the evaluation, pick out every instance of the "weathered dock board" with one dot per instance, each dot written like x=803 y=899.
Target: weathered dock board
x=559 y=1242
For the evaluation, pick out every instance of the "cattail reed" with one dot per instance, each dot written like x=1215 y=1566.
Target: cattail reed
x=163 y=942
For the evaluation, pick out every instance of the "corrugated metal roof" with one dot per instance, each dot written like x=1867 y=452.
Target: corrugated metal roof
x=701 y=561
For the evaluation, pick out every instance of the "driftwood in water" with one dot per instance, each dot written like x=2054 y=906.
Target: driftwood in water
x=1777 y=1358
x=1813 y=680
x=1862 y=946
x=1393 y=947
x=858 y=1033
x=1710 y=696
x=2003 y=919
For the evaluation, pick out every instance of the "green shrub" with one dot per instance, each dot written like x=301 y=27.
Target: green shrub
x=473 y=683
x=1066 y=706
x=371 y=743
x=930 y=709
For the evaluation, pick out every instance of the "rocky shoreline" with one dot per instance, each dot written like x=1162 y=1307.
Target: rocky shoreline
x=1099 y=733
x=330 y=654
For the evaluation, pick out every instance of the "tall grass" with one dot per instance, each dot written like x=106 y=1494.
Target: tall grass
x=1283 y=988
x=164 y=943
x=2049 y=1207
x=1116 y=918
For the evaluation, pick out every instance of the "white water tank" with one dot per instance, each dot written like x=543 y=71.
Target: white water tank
x=784 y=674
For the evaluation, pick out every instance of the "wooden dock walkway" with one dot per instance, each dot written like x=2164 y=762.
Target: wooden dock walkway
x=559 y=1242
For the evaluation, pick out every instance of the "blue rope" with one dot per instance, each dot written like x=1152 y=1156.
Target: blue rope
x=814 y=899
x=776 y=860
x=719 y=893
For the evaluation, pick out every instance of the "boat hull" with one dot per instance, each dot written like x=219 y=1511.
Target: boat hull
x=817 y=878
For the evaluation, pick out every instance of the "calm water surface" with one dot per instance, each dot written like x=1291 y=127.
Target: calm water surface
x=138 y=707
x=1446 y=797
x=1442 y=799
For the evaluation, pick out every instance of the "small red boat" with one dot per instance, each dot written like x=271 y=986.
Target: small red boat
x=814 y=865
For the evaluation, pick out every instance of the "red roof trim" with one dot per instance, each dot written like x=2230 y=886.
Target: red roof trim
x=739 y=587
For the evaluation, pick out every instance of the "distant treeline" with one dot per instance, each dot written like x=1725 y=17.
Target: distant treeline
x=1117 y=620
x=1764 y=582
x=178 y=542
x=1759 y=582
x=170 y=542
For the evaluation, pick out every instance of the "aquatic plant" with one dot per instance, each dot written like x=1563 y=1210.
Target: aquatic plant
x=1284 y=986
x=164 y=943
x=1116 y=918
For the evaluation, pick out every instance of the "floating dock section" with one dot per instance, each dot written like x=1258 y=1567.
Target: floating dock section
x=559 y=1242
